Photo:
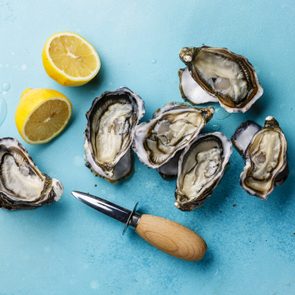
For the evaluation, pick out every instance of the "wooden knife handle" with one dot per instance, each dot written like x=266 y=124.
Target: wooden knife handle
x=171 y=237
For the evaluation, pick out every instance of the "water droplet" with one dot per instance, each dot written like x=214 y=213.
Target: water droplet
x=78 y=161
x=23 y=67
x=12 y=53
x=3 y=110
x=216 y=127
x=221 y=114
x=93 y=284
x=6 y=65
x=1 y=65
x=5 y=86
x=47 y=249
x=154 y=61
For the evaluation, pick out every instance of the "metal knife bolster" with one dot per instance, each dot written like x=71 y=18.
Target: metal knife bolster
x=117 y=212
x=133 y=218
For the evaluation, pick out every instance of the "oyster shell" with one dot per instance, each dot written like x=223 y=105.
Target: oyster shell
x=265 y=151
x=169 y=170
x=218 y=75
x=111 y=122
x=172 y=128
x=22 y=184
x=200 y=168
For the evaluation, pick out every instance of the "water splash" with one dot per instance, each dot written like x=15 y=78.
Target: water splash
x=5 y=86
x=3 y=110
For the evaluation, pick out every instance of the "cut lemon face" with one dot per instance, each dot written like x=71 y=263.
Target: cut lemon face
x=70 y=60
x=42 y=114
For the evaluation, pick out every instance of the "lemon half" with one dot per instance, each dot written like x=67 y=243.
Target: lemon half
x=42 y=114
x=70 y=60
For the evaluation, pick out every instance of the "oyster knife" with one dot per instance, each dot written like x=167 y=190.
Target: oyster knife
x=166 y=235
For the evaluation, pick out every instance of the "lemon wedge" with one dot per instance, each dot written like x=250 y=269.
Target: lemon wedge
x=42 y=114
x=70 y=60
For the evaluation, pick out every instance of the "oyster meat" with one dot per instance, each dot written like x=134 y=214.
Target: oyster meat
x=200 y=168
x=218 y=75
x=265 y=151
x=171 y=129
x=22 y=184
x=111 y=122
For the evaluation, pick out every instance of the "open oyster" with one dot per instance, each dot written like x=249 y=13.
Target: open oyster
x=111 y=122
x=218 y=75
x=172 y=128
x=201 y=167
x=22 y=184
x=265 y=151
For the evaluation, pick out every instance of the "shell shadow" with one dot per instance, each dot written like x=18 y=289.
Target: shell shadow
x=284 y=192
x=258 y=108
x=42 y=218
x=288 y=186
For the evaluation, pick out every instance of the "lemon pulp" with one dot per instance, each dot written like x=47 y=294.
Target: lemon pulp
x=42 y=114
x=48 y=119
x=70 y=60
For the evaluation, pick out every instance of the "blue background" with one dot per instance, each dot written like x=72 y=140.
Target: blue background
x=67 y=248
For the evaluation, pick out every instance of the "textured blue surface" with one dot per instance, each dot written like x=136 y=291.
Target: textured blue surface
x=67 y=248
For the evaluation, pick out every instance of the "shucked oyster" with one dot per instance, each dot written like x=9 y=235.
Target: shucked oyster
x=111 y=122
x=172 y=128
x=218 y=75
x=200 y=168
x=22 y=184
x=265 y=151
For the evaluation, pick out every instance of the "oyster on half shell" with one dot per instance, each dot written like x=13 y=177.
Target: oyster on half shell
x=265 y=151
x=111 y=122
x=171 y=129
x=218 y=75
x=22 y=184
x=200 y=168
